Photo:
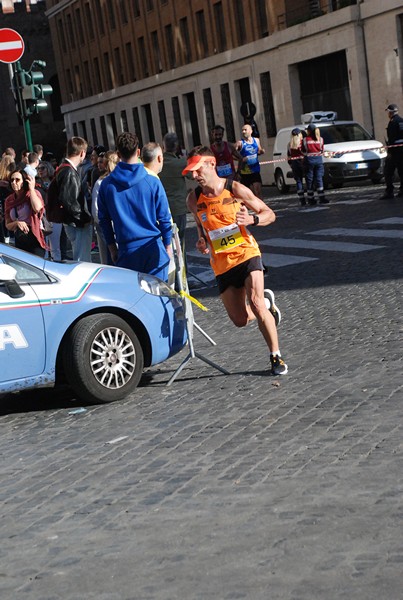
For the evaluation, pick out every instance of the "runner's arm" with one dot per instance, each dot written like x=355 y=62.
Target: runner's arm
x=260 y=150
x=251 y=202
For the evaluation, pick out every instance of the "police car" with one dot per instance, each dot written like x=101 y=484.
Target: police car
x=350 y=152
x=92 y=326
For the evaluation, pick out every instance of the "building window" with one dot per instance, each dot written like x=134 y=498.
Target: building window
x=94 y=131
x=137 y=126
x=143 y=57
x=220 y=27
x=69 y=81
x=79 y=24
x=185 y=40
x=149 y=5
x=201 y=34
x=112 y=127
x=75 y=130
x=261 y=18
x=192 y=113
x=268 y=107
x=124 y=126
x=120 y=77
x=88 y=20
x=111 y=14
x=97 y=73
x=83 y=129
x=78 y=82
x=123 y=12
x=70 y=31
x=163 y=117
x=87 y=78
x=108 y=71
x=244 y=90
x=156 y=52
x=326 y=86
x=100 y=19
x=62 y=39
x=177 y=120
x=130 y=62
x=136 y=8
x=104 y=133
x=208 y=107
x=170 y=46
x=146 y=108
x=240 y=23
x=228 y=118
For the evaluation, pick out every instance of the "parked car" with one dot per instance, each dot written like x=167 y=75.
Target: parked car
x=351 y=154
x=92 y=326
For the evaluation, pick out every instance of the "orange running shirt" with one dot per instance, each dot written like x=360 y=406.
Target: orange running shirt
x=230 y=244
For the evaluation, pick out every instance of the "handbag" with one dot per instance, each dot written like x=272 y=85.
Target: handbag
x=47 y=227
x=25 y=241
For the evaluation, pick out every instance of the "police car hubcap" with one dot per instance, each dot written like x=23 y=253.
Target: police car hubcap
x=112 y=358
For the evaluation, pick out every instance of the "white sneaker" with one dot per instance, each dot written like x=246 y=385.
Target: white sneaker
x=271 y=306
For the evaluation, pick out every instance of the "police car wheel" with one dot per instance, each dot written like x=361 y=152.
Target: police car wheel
x=103 y=359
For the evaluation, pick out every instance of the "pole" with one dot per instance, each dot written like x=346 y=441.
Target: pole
x=188 y=311
x=15 y=68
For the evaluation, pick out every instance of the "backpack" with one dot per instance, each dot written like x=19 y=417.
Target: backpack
x=55 y=211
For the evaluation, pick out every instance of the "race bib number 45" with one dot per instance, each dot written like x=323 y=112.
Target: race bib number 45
x=226 y=238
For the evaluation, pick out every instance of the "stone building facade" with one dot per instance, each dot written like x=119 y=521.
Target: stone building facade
x=158 y=65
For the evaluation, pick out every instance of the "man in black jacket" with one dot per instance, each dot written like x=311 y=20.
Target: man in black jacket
x=71 y=195
x=394 y=160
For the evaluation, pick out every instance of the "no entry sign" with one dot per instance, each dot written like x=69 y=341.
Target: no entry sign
x=11 y=46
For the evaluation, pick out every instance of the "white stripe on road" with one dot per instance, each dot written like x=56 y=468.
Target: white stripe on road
x=284 y=260
x=10 y=45
x=388 y=221
x=317 y=245
x=391 y=233
x=365 y=201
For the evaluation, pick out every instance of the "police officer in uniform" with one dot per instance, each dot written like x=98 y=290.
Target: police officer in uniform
x=394 y=160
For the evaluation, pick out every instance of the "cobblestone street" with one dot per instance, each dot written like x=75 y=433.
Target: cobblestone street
x=232 y=487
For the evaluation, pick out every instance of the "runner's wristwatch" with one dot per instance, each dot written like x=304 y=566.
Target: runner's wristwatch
x=255 y=220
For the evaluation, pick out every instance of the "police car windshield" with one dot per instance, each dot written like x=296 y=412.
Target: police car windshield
x=349 y=132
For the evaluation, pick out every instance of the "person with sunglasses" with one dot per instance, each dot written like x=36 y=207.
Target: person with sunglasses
x=24 y=209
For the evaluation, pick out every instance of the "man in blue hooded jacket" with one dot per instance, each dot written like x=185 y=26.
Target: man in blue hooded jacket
x=134 y=213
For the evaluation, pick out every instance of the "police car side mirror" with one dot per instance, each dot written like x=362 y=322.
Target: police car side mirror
x=8 y=281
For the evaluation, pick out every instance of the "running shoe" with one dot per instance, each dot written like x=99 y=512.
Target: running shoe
x=271 y=306
x=278 y=366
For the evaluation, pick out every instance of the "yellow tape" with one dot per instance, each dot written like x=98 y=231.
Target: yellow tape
x=189 y=297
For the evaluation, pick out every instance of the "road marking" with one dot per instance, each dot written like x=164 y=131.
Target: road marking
x=318 y=245
x=284 y=260
x=389 y=221
x=386 y=233
x=355 y=201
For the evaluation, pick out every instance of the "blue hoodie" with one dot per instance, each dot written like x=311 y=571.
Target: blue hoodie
x=137 y=205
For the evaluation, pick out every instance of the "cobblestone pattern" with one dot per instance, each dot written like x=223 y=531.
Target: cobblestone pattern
x=228 y=487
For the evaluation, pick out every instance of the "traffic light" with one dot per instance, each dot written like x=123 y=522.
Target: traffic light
x=29 y=91
x=33 y=91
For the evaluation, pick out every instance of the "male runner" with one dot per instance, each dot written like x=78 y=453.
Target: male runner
x=249 y=148
x=222 y=217
x=224 y=153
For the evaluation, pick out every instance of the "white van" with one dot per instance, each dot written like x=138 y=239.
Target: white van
x=351 y=154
